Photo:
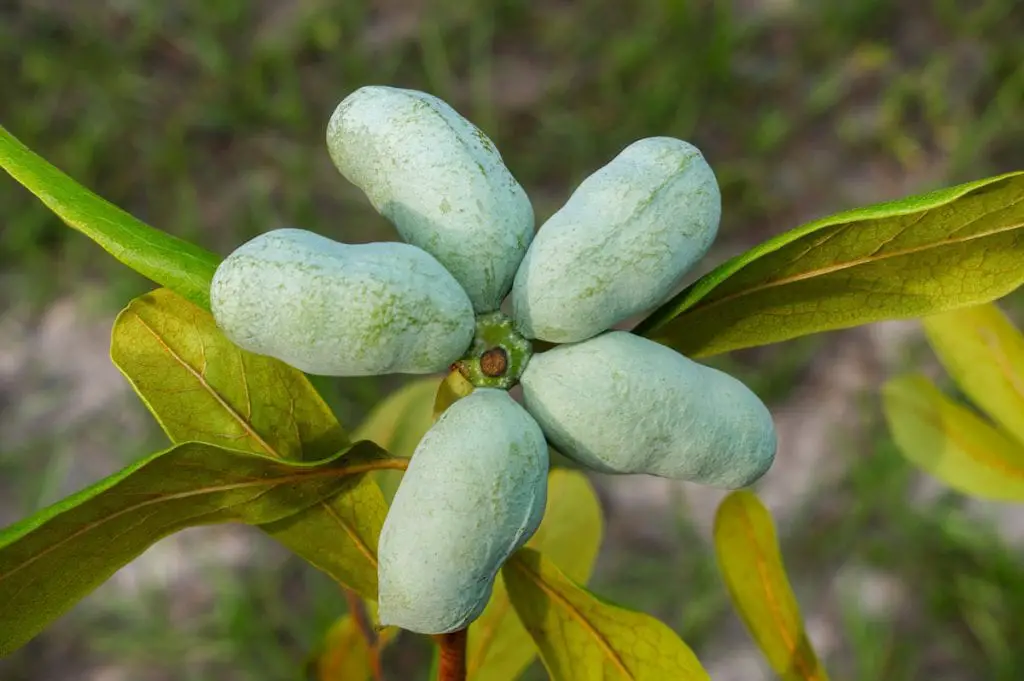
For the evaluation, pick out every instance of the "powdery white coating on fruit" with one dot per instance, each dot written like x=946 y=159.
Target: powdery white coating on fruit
x=619 y=403
x=341 y=310
x=620 y=244
x=440 y=180
x=474 y=492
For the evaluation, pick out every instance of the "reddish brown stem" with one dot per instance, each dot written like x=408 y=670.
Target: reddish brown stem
x=452 y=665
x=358 y=611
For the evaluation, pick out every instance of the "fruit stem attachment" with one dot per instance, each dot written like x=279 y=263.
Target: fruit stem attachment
x=452 y=663
x=498 y=355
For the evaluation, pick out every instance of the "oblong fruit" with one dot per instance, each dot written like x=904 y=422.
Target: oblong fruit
x=620 y=244
x=619 y=403
x=474 y=492
x=341 y=310
x=440 y=181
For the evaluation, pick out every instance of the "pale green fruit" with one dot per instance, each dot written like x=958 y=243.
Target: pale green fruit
x=440 y=180
x=341 y=310
x=619 y=403
x=620 y=244
x=474 y=492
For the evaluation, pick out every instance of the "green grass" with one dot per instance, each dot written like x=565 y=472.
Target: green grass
x=207 y=120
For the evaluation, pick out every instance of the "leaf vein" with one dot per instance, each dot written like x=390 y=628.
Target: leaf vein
x=353 y=535
x=838 y=267
x=898 y=233
x=788 y=640
x=298 y=477
x=990 y=338
x=206 y=385
x=580 y=618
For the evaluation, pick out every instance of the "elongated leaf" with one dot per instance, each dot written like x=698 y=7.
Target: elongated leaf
x=498 y=647
x=52 y=559
x=984 y=353
x=201 y=387
x=165 y=259
x=749 y=560
x=345 y=653
x=918 y=256
x=581 y=637
x=951 y=443
x=398 y=423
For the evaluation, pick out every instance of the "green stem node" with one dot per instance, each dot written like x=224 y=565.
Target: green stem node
x=498 y=355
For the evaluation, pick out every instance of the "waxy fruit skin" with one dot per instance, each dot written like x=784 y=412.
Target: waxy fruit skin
x=619 y=403
x=620 y=244
x=336 y=309
x=475 y=488
x=440 y=181
x=473 y=493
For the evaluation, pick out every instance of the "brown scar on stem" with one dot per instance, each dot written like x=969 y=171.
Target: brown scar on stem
x=494 y=362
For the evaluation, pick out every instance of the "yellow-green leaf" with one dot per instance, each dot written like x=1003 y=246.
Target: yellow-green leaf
x=344 y=654
x=454 y=387
x=581 y=637
x=952 y=443
x=54 y=558
x=984 y=353
x=750 y=564
x=165 y=259
x=917 y=256
x=202 y=387
x=498 y=647
x=398 y=423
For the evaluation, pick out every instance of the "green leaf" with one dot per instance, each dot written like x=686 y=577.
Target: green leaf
x=398 y=423
x=498 y=647
x=52 y=559
x=339 y=535
x=201 y=387
x=984 y=353
x=749 y=560
x=580 y=636
x=345 y=654
x=165 y=259
x=918 y=256
x=951 y=443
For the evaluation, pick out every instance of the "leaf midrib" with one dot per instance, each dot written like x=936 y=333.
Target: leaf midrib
x=580 y=618
x=249 y=429
x=246 y=426
x=990 y=337
x=357 y=541
x=774 y=607
x=932 y=417
x=700 y=305
x=392 y=464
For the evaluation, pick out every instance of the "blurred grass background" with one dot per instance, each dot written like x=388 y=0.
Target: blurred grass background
x=207 y=120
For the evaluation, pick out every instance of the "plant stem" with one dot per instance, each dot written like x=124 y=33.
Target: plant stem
x=452 y=665
x=357 y=609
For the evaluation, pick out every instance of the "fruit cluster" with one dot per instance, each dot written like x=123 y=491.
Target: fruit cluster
x=475 y=489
